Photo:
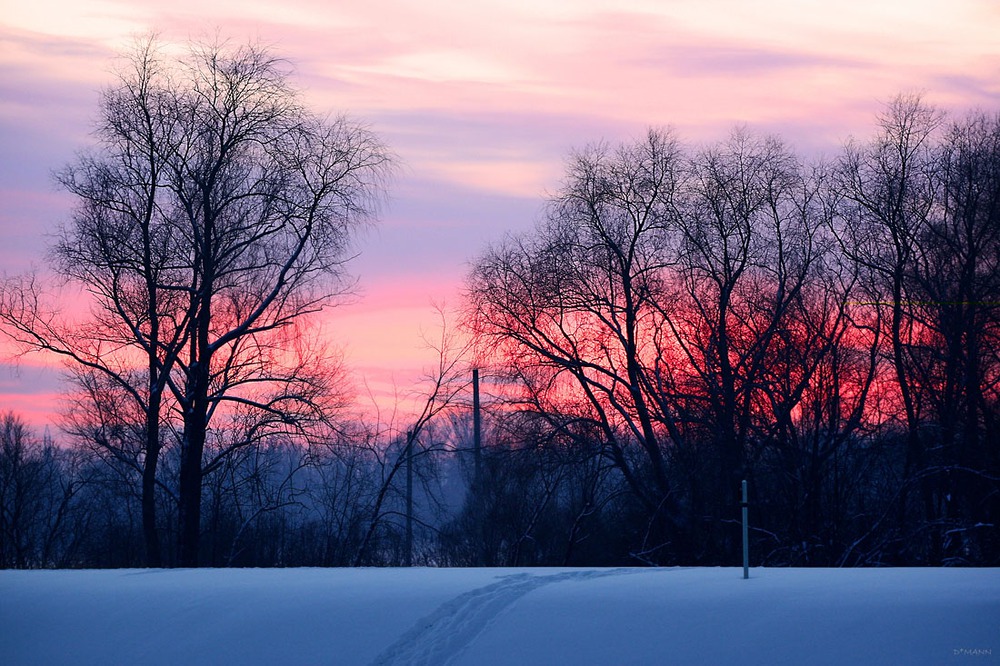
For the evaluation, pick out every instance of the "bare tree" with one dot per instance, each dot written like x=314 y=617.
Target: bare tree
x=120 y=248
x=40 y=488
x=751 y=241
x=215 y=214
x=953 y=283
x=568 y=310
x=888 y=188
x=696 y=308
x=391 y=445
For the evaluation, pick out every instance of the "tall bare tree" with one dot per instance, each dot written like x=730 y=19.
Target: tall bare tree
x=888 y=188
x=569 y=309
x=954 y=281
x=215 y=213
x=121 y=248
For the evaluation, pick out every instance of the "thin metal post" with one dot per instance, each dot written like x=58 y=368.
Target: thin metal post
x=409 y=499
x=746 y=539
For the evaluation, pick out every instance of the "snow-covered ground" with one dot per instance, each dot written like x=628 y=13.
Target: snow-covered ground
x=500 y=616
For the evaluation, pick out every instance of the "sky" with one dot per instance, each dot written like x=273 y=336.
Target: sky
x=481 y=102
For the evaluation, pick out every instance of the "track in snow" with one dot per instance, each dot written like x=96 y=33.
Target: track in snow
x=441 y=636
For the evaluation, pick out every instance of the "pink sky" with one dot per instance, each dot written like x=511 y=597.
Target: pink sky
x=481 y=101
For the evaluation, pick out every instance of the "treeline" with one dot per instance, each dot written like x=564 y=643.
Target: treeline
x=828 y=332
x=273 y=503
x=680 y=319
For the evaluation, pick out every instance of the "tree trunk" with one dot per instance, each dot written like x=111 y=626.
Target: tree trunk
x=192 y=452
x=150 y=535
x=189 y=509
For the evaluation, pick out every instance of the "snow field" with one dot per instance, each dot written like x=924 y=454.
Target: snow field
x=500 y=616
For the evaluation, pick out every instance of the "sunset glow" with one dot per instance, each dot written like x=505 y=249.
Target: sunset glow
x=480 y=102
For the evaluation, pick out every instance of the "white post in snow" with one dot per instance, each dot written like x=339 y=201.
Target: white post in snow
x=746 y=540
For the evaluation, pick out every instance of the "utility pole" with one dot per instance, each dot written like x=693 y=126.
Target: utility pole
x=409 y=499
x=477 y=436
x=476 y=491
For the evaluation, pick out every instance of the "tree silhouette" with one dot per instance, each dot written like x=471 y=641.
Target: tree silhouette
x=214 y=215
